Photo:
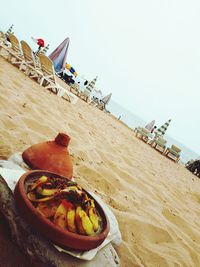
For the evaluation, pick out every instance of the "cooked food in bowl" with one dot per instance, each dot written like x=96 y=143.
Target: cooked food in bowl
x=65 y=204
x=61 y=210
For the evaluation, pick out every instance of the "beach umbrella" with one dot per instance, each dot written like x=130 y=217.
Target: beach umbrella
x=46 y=48
x=161 y=131
x=91 y=85
x=71 y=69
x=59 y=55
x=150 y=125
x=10 y=30
x=98 y=94
x=106 y=99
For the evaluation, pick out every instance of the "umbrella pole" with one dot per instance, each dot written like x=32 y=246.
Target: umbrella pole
x=39 y=48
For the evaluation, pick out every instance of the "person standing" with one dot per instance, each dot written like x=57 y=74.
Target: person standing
x=153 y=129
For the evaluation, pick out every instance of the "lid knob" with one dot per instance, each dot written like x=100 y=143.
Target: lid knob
x=62 y=139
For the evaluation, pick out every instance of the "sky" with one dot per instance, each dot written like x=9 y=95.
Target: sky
x=147 y=52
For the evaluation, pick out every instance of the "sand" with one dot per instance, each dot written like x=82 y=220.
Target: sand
x=155 y=200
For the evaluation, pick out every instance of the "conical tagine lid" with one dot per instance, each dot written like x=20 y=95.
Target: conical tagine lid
x=50 y=156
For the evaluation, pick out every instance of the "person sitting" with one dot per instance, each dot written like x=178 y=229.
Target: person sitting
x=68 y=78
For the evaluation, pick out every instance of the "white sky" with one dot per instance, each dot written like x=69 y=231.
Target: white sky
x=147 y=52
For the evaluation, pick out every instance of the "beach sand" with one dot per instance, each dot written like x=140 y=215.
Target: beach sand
x=156 y=202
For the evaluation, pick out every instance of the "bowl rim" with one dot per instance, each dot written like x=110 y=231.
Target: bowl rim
x=21 y=184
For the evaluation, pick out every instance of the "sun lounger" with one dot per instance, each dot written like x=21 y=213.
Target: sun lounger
x=47 y=68
x=15 y=51
x=173 y=152
x=159 y=144
x=144 y=134
x=3 y=43
x=75 y=89
x=29 y=62
x=3 y=40
x=94 y=101
x=101 y=105
x=85 y=95
x=49 y=78
x=65 y=91
x=138 y=130
x=12 y=47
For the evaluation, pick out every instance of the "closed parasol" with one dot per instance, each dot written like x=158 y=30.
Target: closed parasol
x=150 y=125
x=106 y=99
x=59 y=55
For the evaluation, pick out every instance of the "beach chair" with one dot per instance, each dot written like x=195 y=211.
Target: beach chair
x=3 y=38
x=159 y=144
x=4 y=43
x=85 y=95
x=94 y=101
x=173 y=152
x=65 y=90
x=49 y=79
x=144 y=134
x=75 y=89
x=101 y=105
x=29 y=62
x=137 y=130
x=15 y=51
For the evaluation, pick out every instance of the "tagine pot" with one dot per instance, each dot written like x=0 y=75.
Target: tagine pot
x=51 y=156
x=61 y=237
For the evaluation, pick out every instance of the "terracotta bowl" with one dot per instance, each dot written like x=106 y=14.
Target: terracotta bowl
x=57 y=235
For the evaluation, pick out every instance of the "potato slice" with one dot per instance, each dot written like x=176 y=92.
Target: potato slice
x=40 y=181
x=46 y=192
x=60 y=217
x=86 y=223
x=79 y=222
x=71 y=221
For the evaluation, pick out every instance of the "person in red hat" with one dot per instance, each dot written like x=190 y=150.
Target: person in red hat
x=40 y=43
